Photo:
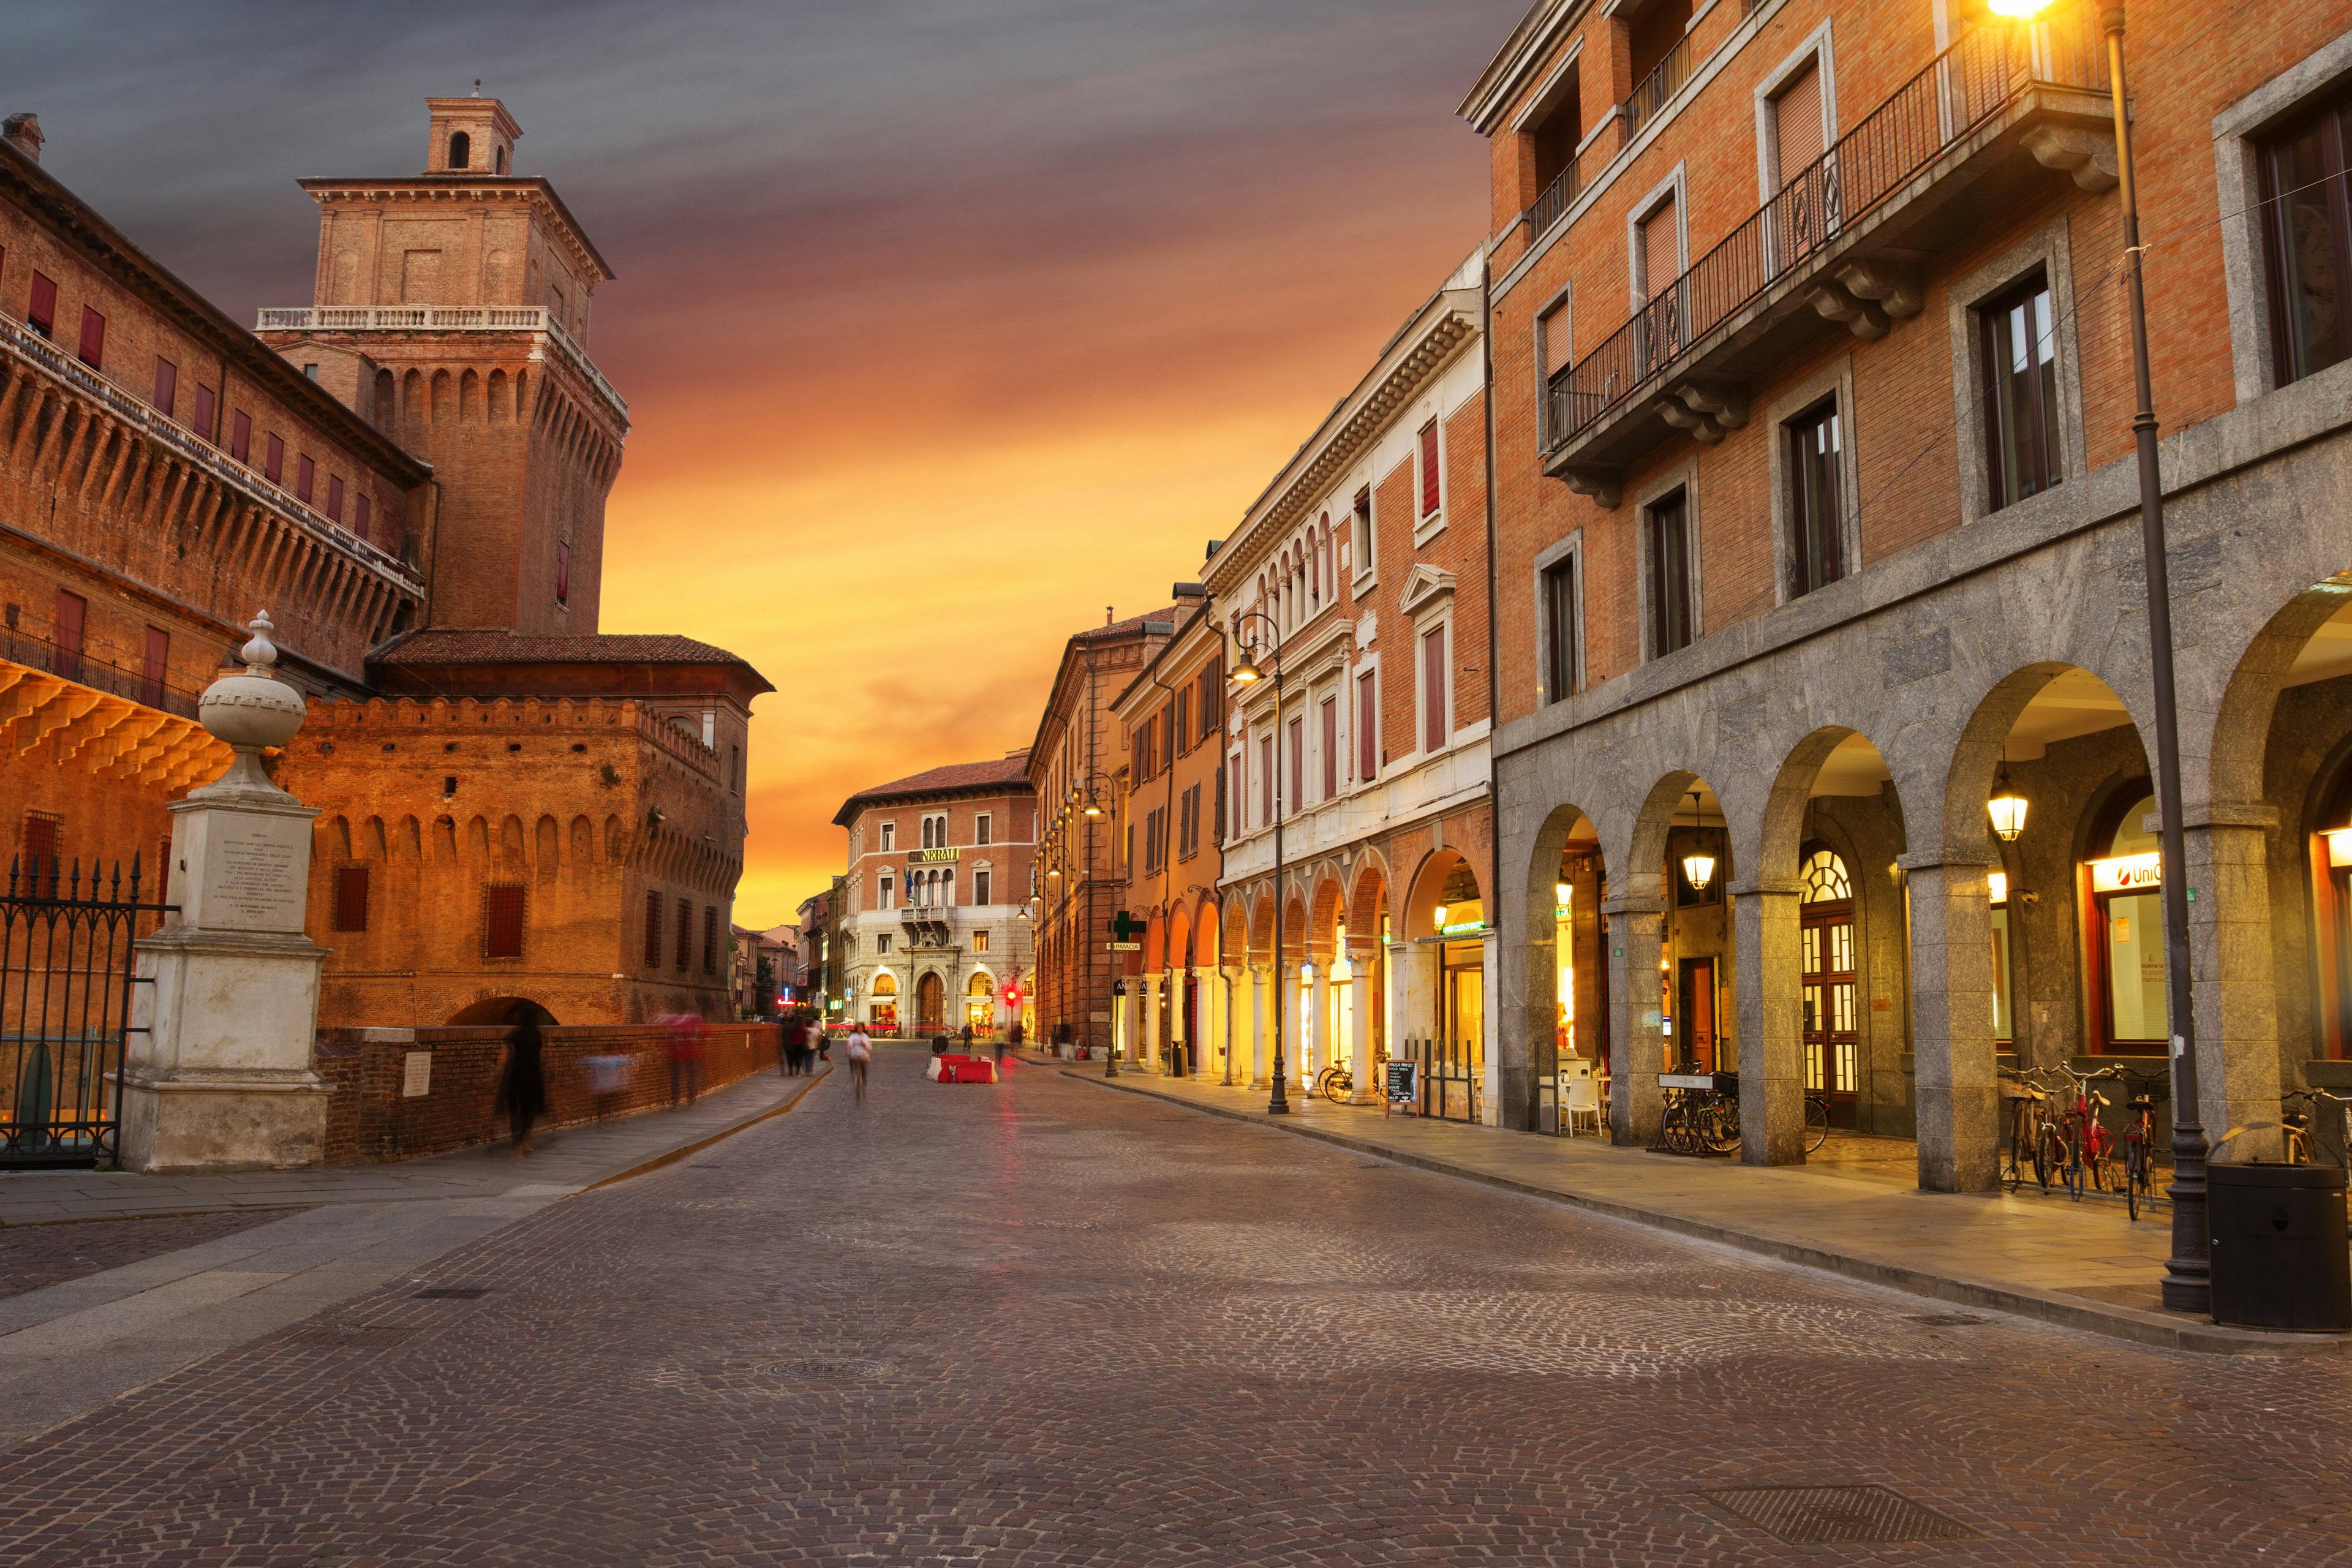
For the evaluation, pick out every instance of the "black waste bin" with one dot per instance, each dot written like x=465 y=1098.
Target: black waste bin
x=2280 y=1259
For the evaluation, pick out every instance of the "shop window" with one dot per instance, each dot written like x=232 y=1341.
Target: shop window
x=653 y=931
x=2331 y=864
x=350 y=898
x=2019 y=350
x=502 y=906
x=2307 y=241
x=1816 y=554
x=2124 y=890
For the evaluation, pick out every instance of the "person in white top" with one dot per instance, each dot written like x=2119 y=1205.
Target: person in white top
x=860 y=1051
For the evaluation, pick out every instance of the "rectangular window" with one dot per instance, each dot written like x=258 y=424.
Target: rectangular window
x=980 y=938
x=360 y=514
x=563 y=573
x=66 y=660
x=92 y=352
x=1265 y=781
x=152 y=666
x=1433 y=730
x=1330 y=747
x=240 y=437
x=41 y=849
x=653 y=931
x=273 y=466
x=334 y=498
x=1661 y=257
x=1670 y=578
x=1560 y=629
x=1368 y=729
x=2019 y=347
x=1431 y=493
x=41 y=306
x=882 y=942
x=350 y=898
x=1366 y=552
x=306 y=475
x=167 y=386
x=982 y=887
x=1210 y=695
x=885 y=889
x=1298 y=738
x=2307 y=241
x=682 y=934
x=200 y=420
x=889 y=836
x=709 y=940
x=502 y=919
x=1184 y=721
x=1801 y=210
x=1816 y=548
x=983 y=831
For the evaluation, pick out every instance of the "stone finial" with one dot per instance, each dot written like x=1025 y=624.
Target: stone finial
x=250 y=712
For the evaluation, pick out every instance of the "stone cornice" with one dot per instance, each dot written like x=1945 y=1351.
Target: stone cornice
x=1529 y=45
x=472 y=190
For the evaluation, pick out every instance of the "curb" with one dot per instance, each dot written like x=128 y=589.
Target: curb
x=2115 y=1323
x=644 y=1167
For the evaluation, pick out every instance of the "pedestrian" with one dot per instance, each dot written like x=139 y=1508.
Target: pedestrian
x=796 y=1052
x=860 y=1051
x=524 y=1092
x=688 y=1036
x=967 y=1037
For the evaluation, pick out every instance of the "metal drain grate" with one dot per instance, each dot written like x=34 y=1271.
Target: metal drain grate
x=1822 y=1516
x=453 y=1293
x=1946 y=1319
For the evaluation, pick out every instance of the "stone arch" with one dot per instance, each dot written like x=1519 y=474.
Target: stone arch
x=1207 y=932
x=550 y=849
x=445 y=401
x=2241 y=724
x=501 y=400
x=1261 y=935
x=412 y=397
x=1523 y=1082
x=1178 y=953
x=1236 y=944
x=1325 y=913
x=1428 y=882
x=522 y=400
x=1155 y=941
x=1368 y=897
x=491 y=1010
x=477 y=837
x=469 y=398
x=385 y=393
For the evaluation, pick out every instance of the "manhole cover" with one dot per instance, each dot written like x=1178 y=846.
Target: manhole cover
x=453 y=1293
x=341 y=1337
x=1946 y=1319
x=1819 y=1516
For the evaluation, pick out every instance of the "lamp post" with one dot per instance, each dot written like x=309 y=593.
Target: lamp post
x=1083 y=790
x=1246 y=673
x=2188 y=1284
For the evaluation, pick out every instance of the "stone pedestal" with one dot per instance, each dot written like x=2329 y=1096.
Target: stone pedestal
x=216 y=1075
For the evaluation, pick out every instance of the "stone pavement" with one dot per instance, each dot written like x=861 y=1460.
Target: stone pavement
x=1854 y=1211
x=66 y=1346
x=1036 y=1324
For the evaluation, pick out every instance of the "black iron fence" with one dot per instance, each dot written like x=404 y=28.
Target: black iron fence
x=1958 y=92
x=66 y=956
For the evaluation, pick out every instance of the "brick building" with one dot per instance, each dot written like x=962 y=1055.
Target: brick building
x=410 y=474
x=1359 y=575
x=1168 y=829
x=819 y=984
x=1081 y=878
x=1817 y=527
x=934 y=925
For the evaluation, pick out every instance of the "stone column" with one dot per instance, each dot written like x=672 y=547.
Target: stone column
x=2235 y=994
x=1636 y=1048
x=1359 y=1027
x=1318 y=1010
x=1958 y=1093
x=1261 y=1047
x=1147 y=1049
x=1771 y=1011
x=218 y=1074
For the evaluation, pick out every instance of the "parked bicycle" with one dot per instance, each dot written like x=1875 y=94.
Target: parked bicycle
x=2037 y=1145
x=1709 y=1121
x=2090 y=1146
x=1336 y=1083
x=2139 y=1138
x=2300 y=1112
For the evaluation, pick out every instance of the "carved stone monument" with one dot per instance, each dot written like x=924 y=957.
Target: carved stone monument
x=217 y=1075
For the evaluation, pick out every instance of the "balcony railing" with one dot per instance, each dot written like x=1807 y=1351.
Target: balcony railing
x=1957 y=93
x=135 y=410
x=441 y=319
x=1656 y=90
x=1668 y=77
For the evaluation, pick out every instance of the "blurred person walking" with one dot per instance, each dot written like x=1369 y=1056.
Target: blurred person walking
x=860 y=1051
x=524 y=1091
x=688 y=1044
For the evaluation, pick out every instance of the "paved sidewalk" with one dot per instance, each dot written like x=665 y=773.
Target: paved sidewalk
x=69 y=1346
x=2086 y=1266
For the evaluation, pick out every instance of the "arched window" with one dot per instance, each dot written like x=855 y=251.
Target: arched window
x=461 y=151
x=1824 y=878
x=886 y=984
x=1825 y=945
x=502 y=160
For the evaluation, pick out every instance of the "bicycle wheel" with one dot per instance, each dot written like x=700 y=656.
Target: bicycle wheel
x=1338 y=1085
x=1720 y=1126
x=2049 y=1154
x=2073 y=1170
x=2134 y=1174
x=1816 y=1123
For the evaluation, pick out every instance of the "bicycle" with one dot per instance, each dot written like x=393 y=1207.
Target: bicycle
x=1336 y=1083
x=2139 y=1141
x=1817 y=1122
x=2296 y=1109
x=2089 y=1145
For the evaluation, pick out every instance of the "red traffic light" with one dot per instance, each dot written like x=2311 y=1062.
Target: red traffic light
x=1012 y=995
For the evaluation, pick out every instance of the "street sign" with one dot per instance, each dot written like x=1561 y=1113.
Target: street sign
x=1404 y=1085
x=1124 y=946
x=1686 y=1081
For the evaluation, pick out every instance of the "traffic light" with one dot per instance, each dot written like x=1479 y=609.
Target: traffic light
x=1012 y=995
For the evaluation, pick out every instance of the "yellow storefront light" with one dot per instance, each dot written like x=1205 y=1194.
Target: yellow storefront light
x=1560 y=893
x=2018 y=10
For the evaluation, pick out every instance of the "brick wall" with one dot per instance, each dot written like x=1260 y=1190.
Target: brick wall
x=369 y=1120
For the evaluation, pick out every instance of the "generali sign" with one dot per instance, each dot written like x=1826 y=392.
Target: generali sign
x=2127 y=873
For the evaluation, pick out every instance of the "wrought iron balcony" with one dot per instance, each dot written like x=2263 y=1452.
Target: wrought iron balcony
x=441 y=319
x=1641 y=106
x=1840 y=242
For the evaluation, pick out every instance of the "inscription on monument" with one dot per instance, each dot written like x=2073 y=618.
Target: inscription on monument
x=253 y=881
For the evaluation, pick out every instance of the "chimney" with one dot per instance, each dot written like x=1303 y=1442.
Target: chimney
x=1183 y=591
x=23 y=131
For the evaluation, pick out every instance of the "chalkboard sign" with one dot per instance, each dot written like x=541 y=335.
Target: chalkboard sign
x=1403 y=1082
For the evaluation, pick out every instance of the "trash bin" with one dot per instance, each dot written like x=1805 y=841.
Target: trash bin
x=2280 y=1258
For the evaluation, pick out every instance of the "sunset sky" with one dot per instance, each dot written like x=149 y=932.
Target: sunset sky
x=944 y=324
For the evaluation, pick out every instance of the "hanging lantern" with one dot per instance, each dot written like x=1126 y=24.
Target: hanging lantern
x=2007 y=810
x=1699 y=870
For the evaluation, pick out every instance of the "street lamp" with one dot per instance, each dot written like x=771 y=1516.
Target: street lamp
x=2188 y=1284
x=2007 y=809
x=1246 y=673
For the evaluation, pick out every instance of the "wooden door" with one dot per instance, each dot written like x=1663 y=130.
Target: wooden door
x=1826 y=939
x=1696 y=1008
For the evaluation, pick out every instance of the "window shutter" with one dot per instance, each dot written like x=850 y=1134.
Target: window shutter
x=360 y=514
x=152 y=667
x=1368 y=730
x=685 y=937
x=1330 y=747
x=350 y=898
x=1433 y=689
x=1430 y=492
x=1558 y=340
x=41 y=306
x=167 y=385
x=653 y=931
x=502 y=921
x=273 y=466
x=1797 y=124
x=334 y=498
x=42 y=846
x=709 y=940
x=1298 y=765
x=240 y=440
x=1661 y=253
x=66 y=660
x=306 y=475
x=201 y=421
x=93 y=339
x=1265 y=780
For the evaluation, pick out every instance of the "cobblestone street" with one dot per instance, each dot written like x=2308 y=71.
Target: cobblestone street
x=1041 y=1323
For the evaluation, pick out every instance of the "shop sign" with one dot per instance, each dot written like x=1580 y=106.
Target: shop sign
x=2126 y=872
x=917 y=856
x=1403 y=1088
x=1462 y=928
